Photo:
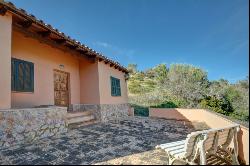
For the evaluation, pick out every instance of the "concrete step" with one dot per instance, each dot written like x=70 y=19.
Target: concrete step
x=78 y=114
x=86 y=123
x=79 y=119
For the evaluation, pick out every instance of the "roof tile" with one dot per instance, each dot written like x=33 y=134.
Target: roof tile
x=10 y=6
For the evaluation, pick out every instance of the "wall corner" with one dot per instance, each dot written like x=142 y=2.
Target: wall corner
x=5 y=63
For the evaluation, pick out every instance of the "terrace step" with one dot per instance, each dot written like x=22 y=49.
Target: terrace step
x=86 y=123
x=78 y=119
x=81 y=119
x=78 y=114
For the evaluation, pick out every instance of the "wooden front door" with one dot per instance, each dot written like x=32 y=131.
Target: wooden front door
x=61 y=88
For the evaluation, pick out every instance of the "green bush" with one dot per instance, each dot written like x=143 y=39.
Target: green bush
x=222 y=105
x=240 y=115
x=168 y=104
x=186 y=86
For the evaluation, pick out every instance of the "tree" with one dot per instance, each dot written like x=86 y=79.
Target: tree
x=135 y=83
x=217 y=88
x=187 y=83
x=222 y=105
x=159 y=73
x=132 y=68
x=238 y=95
x=183 y=85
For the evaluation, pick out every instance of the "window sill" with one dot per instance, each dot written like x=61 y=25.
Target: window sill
x=22 y=92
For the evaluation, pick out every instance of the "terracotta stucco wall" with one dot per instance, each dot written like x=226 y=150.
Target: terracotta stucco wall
x=45 y=59
x=211 y=119
x=105 y=71
x=89 y=82
x=5 y=61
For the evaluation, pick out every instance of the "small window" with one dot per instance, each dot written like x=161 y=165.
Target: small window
x=22 y=76
x=115 y=87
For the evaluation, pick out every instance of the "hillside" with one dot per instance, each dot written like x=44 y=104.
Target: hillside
x=186 y=86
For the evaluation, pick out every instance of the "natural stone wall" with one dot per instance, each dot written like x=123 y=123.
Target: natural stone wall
x=113 y=111
x=103 y=112
x=95 y=108
x=26 y=125
x=83 y=107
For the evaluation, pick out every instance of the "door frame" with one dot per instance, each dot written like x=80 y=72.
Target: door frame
x=69 y=90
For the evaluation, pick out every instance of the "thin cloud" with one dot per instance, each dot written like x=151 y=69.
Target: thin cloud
x=240 y=45
x=230 y=21
x=103 y=44
x=127 y=53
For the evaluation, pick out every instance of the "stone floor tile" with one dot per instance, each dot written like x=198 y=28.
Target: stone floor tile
x=127 y=141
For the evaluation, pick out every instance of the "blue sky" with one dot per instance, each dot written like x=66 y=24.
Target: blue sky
x=211 y=34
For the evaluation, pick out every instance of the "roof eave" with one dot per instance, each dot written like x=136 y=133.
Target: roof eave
x=8 y=6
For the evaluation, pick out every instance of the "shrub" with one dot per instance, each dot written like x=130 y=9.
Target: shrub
x=222 y=105
x=168 y=104
x=186 y=86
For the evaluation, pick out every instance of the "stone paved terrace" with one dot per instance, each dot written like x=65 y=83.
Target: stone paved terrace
x=133 y=138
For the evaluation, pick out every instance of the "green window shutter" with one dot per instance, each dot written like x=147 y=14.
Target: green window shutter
x=22 y=76
x=28 y=77
x=15 y=74
x=12 y=74
x=113 y=90
x=118 y=87
x=111 y=83
x=115 y=87
x=32 y=77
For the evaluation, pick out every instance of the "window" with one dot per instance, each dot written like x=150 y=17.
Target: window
x=115 y=87
x=22 y=76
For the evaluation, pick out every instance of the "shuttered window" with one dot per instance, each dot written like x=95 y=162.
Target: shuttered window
x=22 y=75
x=115 y=87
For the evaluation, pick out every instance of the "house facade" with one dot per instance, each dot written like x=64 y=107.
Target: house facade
x=49 y=81
x=40 y=66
